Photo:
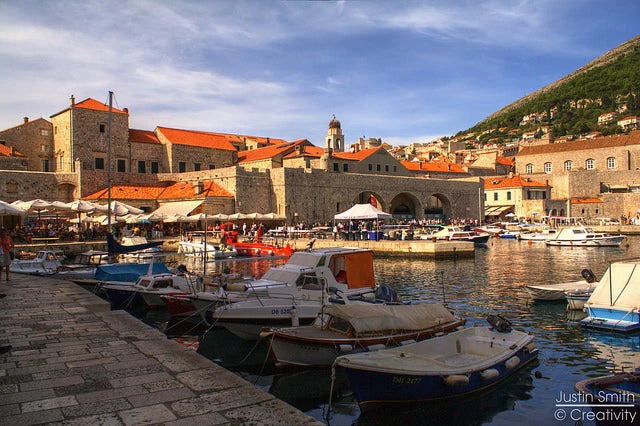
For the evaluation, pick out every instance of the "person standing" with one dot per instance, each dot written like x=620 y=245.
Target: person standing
x=6 y=245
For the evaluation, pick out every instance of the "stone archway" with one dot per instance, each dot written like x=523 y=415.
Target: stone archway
x=368 y=197
x=437 y=206
x=405 y=206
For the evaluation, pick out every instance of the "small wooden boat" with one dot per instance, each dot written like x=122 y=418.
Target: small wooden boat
x=550 y=292
x=352 y=328
x=613 y=399
x=452 y=365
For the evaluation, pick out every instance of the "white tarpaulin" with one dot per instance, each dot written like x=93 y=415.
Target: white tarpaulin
x=618 y=287
x=178 y=208
x=362 y=211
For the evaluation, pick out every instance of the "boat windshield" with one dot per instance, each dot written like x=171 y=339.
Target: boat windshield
x=281 y=275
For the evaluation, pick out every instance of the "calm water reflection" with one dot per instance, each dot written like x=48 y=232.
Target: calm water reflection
x=491 y=282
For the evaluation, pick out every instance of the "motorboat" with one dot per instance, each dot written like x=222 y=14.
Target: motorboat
x=139 y=249
x=213 y=251
x=250 y=248
x=293 y=294
x=455 y=233
x=84 y=266
x=148 y=288
x=45 y=262
x=551 y=292
x=509 y=235
x=614 y=303
x=494 y=230
x=118 y=273
x=577 y=298
x=580 y=236
x=614 y=398
x=452 y=365
x=542 y=236
x=357 y=327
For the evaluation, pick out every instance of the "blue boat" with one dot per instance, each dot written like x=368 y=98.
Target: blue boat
x=614 y=399
x=614 y=303
x=452 y=365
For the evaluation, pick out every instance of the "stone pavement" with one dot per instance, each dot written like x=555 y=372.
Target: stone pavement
x=75 y=362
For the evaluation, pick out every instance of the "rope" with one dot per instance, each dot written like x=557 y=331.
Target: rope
x=333 y=379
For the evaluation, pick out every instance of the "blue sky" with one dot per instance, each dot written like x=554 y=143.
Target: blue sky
x=402 y=71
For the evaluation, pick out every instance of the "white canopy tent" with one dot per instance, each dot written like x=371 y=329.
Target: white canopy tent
x=361 y=212
x=178 y=208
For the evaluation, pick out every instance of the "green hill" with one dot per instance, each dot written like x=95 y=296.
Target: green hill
x=571 y=105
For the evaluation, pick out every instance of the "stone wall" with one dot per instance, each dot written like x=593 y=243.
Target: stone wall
x=25 y=186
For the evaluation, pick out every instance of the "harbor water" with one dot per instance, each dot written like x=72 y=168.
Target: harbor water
x=492 y=282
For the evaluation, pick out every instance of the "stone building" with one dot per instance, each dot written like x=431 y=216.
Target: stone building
x=523 y=197
x=32 y=142
x=606 y=169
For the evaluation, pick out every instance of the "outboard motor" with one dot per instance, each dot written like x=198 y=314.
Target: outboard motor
x=182 y=269
x=499 y=323
x=588 y=275
x=386 y=294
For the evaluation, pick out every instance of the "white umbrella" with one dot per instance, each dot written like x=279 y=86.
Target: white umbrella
x=7 y=209
x=220 y=216
x=36 y=205
x=120 y=209
x=510 y=215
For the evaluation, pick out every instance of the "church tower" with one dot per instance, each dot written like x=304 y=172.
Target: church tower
x=335 y=138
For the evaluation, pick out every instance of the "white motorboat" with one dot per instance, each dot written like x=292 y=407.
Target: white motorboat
x=45 y=262
x=144 y=254
x=455 y=233
x=84 y=267
x=581 y=236
x=542 y=236
x=577 y=298
x=550 y=292
x=213 y=251
x=357 y=327
x=294 y=293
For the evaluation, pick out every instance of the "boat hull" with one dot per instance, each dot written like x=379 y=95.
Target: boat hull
x=613 y=399
x=608 y=319
x=609 y=242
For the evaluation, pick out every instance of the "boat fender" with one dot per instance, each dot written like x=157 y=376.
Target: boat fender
x=489 y=374
x=512 y=362
x=295 y=321
x=456 y=380
x=345 y=348
x=407 y=342
x=235 y=287
x=375 y=347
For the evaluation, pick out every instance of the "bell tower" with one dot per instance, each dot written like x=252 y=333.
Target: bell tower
x=335 y=138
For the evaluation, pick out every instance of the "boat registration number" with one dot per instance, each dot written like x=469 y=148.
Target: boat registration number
x=282 y=311
x=406 y=380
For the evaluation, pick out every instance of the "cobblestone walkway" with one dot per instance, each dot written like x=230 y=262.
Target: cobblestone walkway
x=75 y=362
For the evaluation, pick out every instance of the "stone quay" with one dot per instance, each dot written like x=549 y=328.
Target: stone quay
x=75 y=362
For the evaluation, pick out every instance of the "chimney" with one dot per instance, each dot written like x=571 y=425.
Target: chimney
x=26 y=120
x=198 y=187
x=125 y=110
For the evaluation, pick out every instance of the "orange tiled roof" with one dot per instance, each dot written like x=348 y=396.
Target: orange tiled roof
x=159 y=192
x=633 y=138
x=266 y=152
x=6 y=151
x=506 y=161
x=195 y=138
x=510 y=182
x=143 y=136
x=433 y=166
x=357 y=156
x=585 y=200
x=90 y=103
x=307 y=151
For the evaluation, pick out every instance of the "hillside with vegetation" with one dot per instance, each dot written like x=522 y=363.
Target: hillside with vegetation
x=571 y=106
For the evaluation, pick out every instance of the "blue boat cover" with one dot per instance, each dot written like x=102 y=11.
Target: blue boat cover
x=127 y=271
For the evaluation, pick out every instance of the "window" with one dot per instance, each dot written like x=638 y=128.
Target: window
x=142 y=167
x=196 y=167
x=590 y=164
x=43 y=148
x=485 y=197
x=508 y=195
x=212 y=166
x=547 y=167
x=99 y=163
x=345 y=167
x=611 y=163
x=529 y=168
x=61 y=162
x=182 y=167
x=568 y=165
x=495 y=196
x=370 y=167
x=386 y=168
x=44 y=132
x=395 y=169
x=45 y=166
x=378 y=167
x=155 y=166
x=102 y=128
x=335 y=167
x=121 y=165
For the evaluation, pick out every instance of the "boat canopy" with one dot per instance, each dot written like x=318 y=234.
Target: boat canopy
x=181 y=208
x=127 y=271
x=618 y=287
x=365 y=317
x=357 y=268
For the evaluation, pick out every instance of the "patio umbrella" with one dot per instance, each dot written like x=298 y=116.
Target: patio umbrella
x=82 y=206
x=36 y=205
x=220 y=216
x=120 y=209
x=7 y=209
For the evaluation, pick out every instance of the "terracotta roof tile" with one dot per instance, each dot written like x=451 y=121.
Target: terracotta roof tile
x=143 y=136
x=195 y=138
x=179 y=190
x=510 y=182
x=433 y=166
x=633 y=138
x=5 y=151
x=357 y=156
x=90 y=103
x=585 y=200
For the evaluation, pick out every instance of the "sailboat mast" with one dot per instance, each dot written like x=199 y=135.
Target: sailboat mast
x=109 y=162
